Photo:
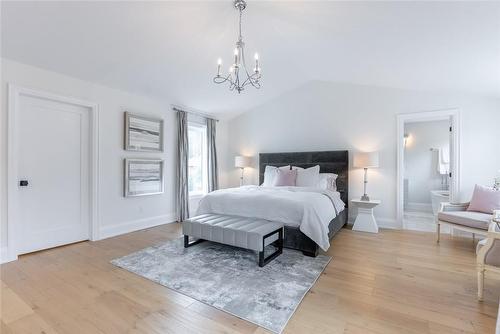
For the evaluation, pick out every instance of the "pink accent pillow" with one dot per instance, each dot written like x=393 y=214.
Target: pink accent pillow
x=285 y=178
x=484 y=199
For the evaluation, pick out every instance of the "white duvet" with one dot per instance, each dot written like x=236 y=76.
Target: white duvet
x=311 y=209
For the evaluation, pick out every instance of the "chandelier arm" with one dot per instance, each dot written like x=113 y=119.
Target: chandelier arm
x=251 y=79
x=245 y=67
x=232 y=86
x=219 y=79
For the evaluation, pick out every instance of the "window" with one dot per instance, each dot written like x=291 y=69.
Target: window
x=197 y=164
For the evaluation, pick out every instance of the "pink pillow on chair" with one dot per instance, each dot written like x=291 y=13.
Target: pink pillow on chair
x=285 y=178
x=484 y=199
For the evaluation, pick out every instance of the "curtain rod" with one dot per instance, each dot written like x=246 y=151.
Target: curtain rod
x=193 y=112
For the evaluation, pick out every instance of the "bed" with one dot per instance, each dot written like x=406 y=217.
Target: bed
x=311 y=216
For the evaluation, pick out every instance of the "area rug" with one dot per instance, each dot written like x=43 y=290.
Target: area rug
x=230 y=279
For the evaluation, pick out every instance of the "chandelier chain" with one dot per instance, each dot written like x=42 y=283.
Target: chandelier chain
x=241 y=14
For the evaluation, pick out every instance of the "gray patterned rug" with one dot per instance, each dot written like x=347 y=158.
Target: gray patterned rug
x=230 y=279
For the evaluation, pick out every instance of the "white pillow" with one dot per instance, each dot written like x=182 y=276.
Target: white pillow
x=328 y=181
x=270 y=175
x=308 y=177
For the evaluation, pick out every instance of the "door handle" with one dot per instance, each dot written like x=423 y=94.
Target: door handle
x=23 y=183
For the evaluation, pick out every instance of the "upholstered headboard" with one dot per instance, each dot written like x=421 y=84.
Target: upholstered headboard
x=329 y=162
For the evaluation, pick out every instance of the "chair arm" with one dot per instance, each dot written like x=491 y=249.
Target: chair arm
x=445 y=206
x=494 y=230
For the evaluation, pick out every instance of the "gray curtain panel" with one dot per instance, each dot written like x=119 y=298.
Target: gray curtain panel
x=213 y=179
x=182 y=166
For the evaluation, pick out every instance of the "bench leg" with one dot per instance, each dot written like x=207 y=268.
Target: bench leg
x=438 y=231
x=261 y=259
x=265 y=260
x=192 y=243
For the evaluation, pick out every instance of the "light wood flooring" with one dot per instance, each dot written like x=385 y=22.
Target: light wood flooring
x=391 y=282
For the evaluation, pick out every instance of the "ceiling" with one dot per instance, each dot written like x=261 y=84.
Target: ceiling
x=169 y=50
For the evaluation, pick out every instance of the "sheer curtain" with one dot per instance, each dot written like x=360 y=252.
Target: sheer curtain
x=182 y=166
x=213 y=179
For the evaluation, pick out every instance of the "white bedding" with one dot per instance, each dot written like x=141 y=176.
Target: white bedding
x=311 y=209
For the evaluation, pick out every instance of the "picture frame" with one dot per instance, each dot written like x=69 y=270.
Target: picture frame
x=143 y=133
x=143 y=177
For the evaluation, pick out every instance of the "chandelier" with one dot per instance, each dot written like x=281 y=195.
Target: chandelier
x=238 y=76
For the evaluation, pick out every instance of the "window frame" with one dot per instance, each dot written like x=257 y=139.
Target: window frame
x=202 y=128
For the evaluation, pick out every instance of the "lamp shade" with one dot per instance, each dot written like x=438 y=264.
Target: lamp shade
x=242 y=161
x=366 y=159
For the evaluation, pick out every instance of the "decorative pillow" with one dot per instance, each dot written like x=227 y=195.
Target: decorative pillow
x=484 y=199
x=270 y=174
x=308 y=177
x=285 y=178
x=328 y=181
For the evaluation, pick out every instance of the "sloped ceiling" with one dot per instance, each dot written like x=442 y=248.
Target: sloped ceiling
x=168 y=50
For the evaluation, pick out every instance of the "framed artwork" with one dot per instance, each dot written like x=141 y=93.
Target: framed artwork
x=143 y=177
x=143 y=133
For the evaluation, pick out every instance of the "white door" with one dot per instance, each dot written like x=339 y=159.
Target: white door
x=53 y=157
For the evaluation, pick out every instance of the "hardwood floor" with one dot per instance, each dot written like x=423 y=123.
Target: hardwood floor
x=391 y=282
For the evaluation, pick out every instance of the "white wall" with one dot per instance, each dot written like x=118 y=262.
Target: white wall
x=116 y=213
x=421 y=163
x=333 y=116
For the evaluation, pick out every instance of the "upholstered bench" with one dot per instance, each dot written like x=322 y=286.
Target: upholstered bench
x=249 y=233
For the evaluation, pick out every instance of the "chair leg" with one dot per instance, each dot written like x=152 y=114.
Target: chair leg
x=480 y=284
x=438 y=231
x=473 y=238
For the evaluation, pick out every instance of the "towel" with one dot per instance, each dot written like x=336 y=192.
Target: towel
x=443 y=165
x=444 y=155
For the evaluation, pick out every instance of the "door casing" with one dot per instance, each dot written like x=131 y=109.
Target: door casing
x=10 y=253
x=454 y=116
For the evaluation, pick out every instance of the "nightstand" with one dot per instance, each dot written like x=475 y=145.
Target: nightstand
x=365 y=220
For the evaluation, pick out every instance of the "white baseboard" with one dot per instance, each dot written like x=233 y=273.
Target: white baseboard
x=388 y=223
x=111 y=231
x=135 y=225
x=425 y=207
x=5 y=255
x=381 y=222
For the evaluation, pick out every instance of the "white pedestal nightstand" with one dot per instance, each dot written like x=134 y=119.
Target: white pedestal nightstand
x=365 y=221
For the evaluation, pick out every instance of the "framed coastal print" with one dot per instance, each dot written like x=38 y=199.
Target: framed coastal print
x=143 y=133
x=143 y=177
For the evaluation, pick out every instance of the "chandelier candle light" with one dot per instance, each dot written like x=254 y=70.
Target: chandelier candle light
x=238 y=76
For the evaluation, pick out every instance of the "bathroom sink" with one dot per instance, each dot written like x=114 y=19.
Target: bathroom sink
x=437 y=197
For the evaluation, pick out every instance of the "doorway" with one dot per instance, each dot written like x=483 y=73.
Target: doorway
x=52 y=171
x=428 y=166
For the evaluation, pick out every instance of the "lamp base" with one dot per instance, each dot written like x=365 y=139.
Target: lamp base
x=241 y=176
x=365 y=198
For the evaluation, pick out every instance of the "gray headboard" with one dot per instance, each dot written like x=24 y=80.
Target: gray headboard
x=329 y=162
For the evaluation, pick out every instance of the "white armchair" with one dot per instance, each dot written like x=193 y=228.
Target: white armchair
x=457 y=216
x=488 y=256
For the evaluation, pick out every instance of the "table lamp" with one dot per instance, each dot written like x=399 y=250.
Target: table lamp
x=365 y=160
x=242 y=162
